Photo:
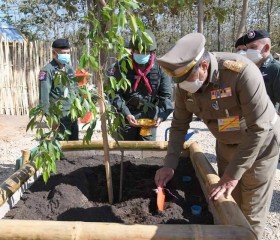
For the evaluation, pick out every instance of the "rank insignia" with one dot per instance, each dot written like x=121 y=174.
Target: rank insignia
x=233 y=65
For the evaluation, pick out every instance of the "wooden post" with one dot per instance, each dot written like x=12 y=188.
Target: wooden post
x=25 y=156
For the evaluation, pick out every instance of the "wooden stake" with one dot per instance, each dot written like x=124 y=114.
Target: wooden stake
x=121 y=176
x=25 y=156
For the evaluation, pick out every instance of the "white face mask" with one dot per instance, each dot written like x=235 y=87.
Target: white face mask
x=241 y=52
x=191 y=87
x=254 y=55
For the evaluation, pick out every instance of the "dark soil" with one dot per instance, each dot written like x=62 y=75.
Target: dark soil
x=78 y=192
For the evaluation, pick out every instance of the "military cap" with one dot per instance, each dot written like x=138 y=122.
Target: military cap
x=61 y=43
x=240 y=41
x=183 y=56
x=255 y=35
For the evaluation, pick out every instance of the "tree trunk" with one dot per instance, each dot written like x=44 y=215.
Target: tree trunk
x=269 y=9
x=242 y=26
x=98 y=4
x=200 y=16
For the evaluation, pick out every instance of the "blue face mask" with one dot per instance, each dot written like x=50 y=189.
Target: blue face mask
x=141 y=58
x=63 y=58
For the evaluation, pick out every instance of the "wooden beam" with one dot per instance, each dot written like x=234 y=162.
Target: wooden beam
x=14 y=182
x=224 y=210
x=59 y=230
x=124 y=145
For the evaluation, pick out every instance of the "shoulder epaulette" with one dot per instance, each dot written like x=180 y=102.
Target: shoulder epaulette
x=234 y=65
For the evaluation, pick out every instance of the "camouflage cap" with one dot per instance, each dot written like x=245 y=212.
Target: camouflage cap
x=183 y=56
x=61 y=43
x=255 y=35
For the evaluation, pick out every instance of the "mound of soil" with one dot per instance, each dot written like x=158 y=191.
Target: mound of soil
x=78 y=192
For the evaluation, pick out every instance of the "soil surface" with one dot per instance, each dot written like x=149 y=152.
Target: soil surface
x=78 y=192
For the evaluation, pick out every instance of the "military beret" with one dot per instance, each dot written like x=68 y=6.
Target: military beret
x=255 y=35
x=61 y=43
x=183 y=56
x=240 y=41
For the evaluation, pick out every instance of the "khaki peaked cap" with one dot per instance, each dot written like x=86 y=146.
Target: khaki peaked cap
x=183 y=56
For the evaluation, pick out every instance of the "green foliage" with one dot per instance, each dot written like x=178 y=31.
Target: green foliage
x=105 y=37
x=46 y=121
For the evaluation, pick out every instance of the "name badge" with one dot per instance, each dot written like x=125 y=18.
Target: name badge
x=229 y=124
x=221 y=93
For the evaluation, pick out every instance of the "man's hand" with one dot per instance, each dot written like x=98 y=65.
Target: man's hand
x=163 y=175
x=132 y=121
x=224 y=186
x=159 y=120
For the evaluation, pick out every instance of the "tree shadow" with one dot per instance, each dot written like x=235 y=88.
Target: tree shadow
x=94 y=214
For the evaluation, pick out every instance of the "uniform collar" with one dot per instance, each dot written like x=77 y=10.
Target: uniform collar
x=214 y=72
x=267 y=61
x=56 y=65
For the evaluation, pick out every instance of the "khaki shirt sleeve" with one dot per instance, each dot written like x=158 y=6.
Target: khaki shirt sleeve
x=258 y=112
x=179 y=127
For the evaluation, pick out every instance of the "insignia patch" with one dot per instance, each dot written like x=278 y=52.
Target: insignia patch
x=42 y=76
x=233 y=65
x=112 y=71
x=251 y=34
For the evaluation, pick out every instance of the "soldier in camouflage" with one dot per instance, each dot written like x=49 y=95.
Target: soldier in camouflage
x=47 y=91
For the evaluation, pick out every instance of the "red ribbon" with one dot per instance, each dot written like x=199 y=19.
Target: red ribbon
x=142 y=75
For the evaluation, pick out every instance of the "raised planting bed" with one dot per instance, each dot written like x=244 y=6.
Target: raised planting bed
x=74 y=202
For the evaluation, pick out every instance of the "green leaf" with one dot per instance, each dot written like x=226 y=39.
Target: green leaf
x=77 y=104
x=93 y=62
x=146 y=37
x=133 y=24
x=45 y=176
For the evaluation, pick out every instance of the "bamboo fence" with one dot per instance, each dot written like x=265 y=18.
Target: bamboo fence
x=20 y=64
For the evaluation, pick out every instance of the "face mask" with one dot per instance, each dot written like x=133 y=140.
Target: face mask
x=191 y=87
x=141 y=58
x=254 y=55
x=241 y=52
x=63 y=58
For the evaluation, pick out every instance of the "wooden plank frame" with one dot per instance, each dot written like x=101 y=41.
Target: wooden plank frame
x=230 y=223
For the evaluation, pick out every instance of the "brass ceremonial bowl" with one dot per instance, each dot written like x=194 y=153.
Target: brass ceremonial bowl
x=146 y=124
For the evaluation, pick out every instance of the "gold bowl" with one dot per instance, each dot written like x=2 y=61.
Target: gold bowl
x=146 y=124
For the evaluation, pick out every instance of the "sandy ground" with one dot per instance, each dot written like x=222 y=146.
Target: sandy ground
x=14 y=138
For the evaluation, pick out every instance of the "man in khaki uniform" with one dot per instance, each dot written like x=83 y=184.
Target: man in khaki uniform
x=227 y=91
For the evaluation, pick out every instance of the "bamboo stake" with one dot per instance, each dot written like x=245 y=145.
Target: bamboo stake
x=121 y=176
x=59 y=230
x=25 y=156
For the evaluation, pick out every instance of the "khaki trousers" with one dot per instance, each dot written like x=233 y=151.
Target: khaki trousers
x=254 y=191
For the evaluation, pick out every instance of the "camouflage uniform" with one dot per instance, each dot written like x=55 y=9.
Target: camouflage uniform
x=48 y=92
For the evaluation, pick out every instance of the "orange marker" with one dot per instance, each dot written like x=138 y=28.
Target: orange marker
x=160 y=199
